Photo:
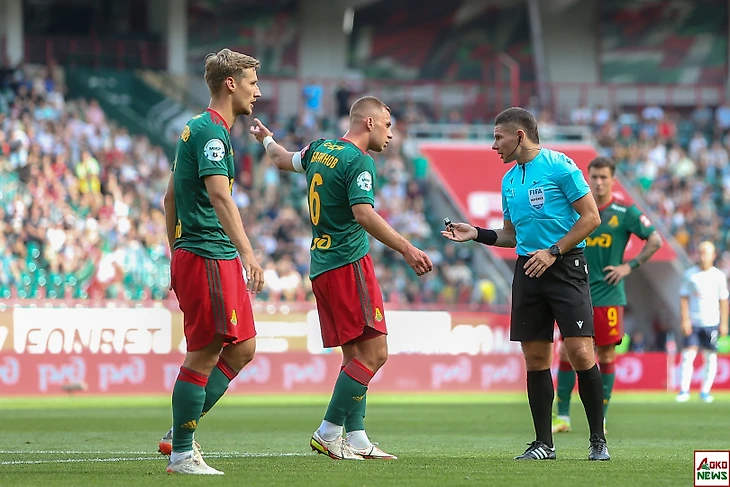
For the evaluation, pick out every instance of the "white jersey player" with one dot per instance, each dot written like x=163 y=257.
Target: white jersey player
x=704 y=307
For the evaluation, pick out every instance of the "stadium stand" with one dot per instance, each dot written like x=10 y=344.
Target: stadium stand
x=268 y=31
x=81 y=217
x=678 y=163
x=448 y=42
x=663 y=42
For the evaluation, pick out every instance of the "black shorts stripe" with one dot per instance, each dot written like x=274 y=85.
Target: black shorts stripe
x=216 y=295
x=363 y=294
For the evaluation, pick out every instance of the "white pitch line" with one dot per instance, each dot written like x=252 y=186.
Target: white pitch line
x=138 y=459
x=72 y=452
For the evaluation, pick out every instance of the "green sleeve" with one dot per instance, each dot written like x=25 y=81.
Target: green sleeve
x=308 y=151
x=638 y=223
x=211 y=150
x=361 y=180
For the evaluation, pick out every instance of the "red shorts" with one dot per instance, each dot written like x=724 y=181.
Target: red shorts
x=213 y=298
x=608 y=324
x=349 y=304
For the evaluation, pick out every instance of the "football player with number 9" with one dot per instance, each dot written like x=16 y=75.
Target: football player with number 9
x=605 y=254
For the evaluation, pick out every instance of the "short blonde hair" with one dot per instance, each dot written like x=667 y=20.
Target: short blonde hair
x=367 y=106
x=226 y=63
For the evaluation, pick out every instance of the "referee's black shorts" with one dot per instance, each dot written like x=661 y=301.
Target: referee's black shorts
x=561 y=294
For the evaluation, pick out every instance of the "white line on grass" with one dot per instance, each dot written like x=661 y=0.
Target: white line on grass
x=148 y=458
x=71 y=452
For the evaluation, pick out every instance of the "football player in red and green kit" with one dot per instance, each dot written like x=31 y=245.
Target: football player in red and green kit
x=605 y=255
x=210 y=251
x=340 y=180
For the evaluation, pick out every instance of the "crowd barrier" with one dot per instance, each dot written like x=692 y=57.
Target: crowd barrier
x=139 y=351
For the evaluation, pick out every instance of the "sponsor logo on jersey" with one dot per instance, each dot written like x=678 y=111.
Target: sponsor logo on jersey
x=603 y=240
x=332 y=146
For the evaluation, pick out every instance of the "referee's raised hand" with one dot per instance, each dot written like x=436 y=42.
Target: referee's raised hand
x=460 y=232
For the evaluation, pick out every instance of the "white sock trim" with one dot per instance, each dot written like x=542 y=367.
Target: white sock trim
x=359 y=439
x=329 y=431
x=176 y=456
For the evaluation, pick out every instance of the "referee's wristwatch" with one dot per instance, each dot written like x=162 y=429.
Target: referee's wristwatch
x=555 y=250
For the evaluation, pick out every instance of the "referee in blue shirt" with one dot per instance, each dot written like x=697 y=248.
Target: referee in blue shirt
x=548 y=213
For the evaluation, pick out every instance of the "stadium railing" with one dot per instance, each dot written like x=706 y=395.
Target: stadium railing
x=483 y=132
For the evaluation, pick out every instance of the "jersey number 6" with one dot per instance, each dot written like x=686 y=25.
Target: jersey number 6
x=314 y=203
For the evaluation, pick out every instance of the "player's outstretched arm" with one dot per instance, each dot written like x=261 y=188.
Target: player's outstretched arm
x=170 y=213
x=227 y=212
x=374 y=224
x=282 y=158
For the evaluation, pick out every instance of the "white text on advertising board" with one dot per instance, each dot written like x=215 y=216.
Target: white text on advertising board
x=105 y=331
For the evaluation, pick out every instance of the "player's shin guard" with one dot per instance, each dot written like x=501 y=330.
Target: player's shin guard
x=590 y=388
x=349 y=392
x=688 y=360
x=566 y=384
x=218 y=382
x=710 y=370
x=608 y=374
x=540 y=394
x=188 y=397
x=355 y=421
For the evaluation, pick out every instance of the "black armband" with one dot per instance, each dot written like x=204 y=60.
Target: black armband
x=486 y=237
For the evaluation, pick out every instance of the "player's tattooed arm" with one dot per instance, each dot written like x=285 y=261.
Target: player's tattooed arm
x=282 y=158
x=653 y=243
x=614 y=274
x=170 y=213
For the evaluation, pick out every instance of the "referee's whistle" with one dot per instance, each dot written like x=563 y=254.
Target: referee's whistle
x=447 y=222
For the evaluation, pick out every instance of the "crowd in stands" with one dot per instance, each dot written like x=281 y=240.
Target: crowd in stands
x=679 y=163
x=81 y=215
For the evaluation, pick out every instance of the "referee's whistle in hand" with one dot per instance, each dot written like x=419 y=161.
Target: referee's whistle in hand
x=459 y=232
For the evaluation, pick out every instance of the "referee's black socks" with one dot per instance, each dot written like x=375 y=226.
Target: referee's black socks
x=540 y=394
x=590 y=388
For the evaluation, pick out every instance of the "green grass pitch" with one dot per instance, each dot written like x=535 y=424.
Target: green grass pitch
x=440 y=440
